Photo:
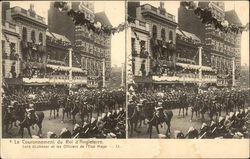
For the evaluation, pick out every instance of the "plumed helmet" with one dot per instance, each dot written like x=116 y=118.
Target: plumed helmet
x=190 y=129
x=221 y=119
x=76 y=126
x=203 y=125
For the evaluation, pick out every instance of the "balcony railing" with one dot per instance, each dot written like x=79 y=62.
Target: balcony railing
x=11 y=27
x=140 y=25
x=154 y=10
x=189 y=78
x=29 y=14
x=56 y=80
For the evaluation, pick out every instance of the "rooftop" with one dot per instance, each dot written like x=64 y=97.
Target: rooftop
x=57 y=36
x=187 y=34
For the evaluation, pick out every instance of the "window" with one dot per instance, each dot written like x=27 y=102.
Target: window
x=171 y=35
x=163 y=34
x=12 y=48
x=133 y=43
x=33 y=36
x=154 y=31
x=142 y=43
x=3 y=46
x=24 y=34
x=41 y=38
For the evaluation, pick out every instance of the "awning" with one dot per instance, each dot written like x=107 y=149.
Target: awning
x=195 y=67
x=65 y=68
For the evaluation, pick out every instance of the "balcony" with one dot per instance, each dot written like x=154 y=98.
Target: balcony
x=11 y=27
x=187 y=78
x=140 y=25
x=147 y=8
x=58 y=62
x=18 y=12
x=55 y=80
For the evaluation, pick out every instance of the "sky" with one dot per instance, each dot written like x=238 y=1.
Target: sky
x=115 y=10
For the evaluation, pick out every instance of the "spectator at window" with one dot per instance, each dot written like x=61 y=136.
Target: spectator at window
x=154 y=32
x=13 y=70
x=143 y=68
x=133 y=66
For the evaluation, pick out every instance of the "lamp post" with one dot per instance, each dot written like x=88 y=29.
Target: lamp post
x=70 y=68
x=233 y=73
x=200 y=65
x=122 y=75
x=103 y=73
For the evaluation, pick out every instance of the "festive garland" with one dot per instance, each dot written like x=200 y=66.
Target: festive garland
x=206 y=17
x=78 y=18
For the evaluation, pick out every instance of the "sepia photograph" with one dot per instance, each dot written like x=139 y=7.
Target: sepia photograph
x=124 y=79
x=63 y=70
x=188 y=69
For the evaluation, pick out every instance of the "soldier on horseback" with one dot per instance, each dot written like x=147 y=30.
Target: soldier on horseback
x=32 y=118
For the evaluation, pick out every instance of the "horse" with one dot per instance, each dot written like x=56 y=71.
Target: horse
x=158 y=117
x=66 y=109
x=86 y=110
x=133 y=117
x=214 y=109
x=195 y=107
x=8 y=119
x=74 y=111
x=54 y=106
x=183 y=104
x=21 y=115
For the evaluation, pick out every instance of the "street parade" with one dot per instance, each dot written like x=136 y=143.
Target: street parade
x=101 y=112
x=226 y=111
x=60 y=76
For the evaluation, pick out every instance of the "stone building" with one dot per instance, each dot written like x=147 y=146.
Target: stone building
x=93 y=48
x=223 y=48
x=153 y=35
x=30 y=48
x=10 y=50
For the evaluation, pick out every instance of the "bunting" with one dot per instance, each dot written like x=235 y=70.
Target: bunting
x=206 y=17
x=79 y=18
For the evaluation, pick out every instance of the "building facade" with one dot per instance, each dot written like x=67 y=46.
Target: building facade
x=153 y=35
x=30 y=50
x=223 y=48
x=57 y=68
x=10 y=50
x=162 y=53
x=93 y=49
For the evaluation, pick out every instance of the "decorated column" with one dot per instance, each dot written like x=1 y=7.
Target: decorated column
x=70 y=68
x=103 y=73
x=122 y=75
x=200 y=65
x=233 y=73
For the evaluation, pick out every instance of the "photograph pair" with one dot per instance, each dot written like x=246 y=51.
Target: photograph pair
x=125 y=69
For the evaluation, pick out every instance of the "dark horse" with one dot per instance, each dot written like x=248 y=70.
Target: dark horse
x=21 y=115
x=133 y=117
x=8 y=119
x=183 y=104
x=54 y=106
x=66 y=109
x=74 y=111
x=157 y=118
